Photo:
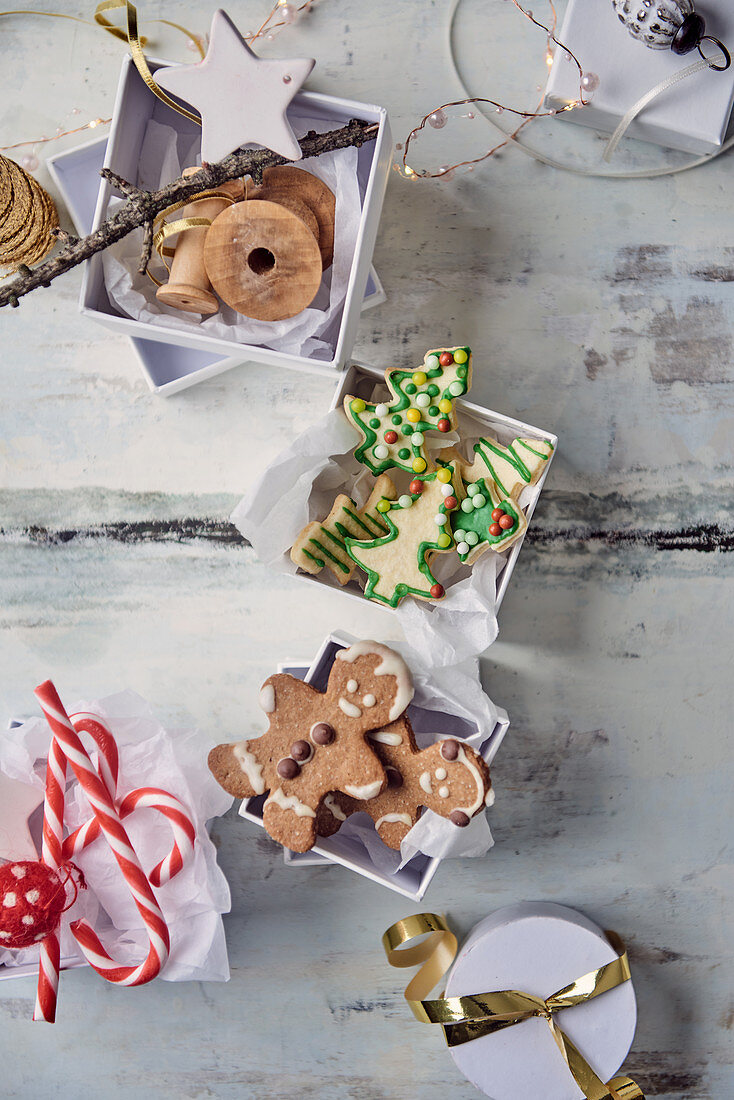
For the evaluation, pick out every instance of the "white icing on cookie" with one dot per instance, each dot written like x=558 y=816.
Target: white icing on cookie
x=440 y=774
x=476 y=776
x=333 y=806
x=370 y=790
x=443 y=792
x=267 y=698
x=391 y=664
x=385 y=737
x=349 y=709
x=290 y=802
x=405 y=818
x=489 y=800
x=352 y=686
x=425 y=782
x=369 y=700
x=250 y=767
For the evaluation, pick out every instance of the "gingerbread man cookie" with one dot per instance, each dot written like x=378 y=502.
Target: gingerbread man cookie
x=448 y=777
x=393 y=432
x=322 y=543
x=317 y=742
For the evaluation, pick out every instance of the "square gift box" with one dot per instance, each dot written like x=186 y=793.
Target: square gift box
x=300 y=486
x=692 y=116
x=357 y=845
x=136 y=107
x=167 y=368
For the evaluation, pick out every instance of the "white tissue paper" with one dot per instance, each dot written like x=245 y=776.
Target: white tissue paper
x=300 y=485
x=193 y=901
x=311 y=333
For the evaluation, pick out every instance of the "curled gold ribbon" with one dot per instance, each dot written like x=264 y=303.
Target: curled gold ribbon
x=132 y=37
x=469 y=1017
x=162 y=229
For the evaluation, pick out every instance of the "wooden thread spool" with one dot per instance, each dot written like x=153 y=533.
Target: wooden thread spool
x=188 y=287
x=286 y=184
x=263 y=260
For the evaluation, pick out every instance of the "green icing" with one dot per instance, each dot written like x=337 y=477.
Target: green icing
x=479 y=519
x=403 y=388
x=401 y=589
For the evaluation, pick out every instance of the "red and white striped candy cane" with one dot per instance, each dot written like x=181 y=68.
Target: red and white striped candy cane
x=102 y=801
x=52 y=856
x=151 y=798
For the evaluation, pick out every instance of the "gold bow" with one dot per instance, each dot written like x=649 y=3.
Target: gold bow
x=467 y=1018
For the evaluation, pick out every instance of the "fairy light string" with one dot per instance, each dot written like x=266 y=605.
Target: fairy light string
x=437 y=117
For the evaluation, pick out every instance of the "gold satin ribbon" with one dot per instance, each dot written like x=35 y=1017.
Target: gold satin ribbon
x=469 y=1017
x=105 y=24
x=131 y=36
x=162 y=230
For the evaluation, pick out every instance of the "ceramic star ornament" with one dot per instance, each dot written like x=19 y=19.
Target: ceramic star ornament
x=242 y=98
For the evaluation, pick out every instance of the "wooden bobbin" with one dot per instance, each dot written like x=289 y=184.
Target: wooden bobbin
x=284 y=184
x=188 y=287
x=263 y=260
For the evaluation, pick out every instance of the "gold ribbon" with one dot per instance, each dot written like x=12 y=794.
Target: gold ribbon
x=162 y=230
x=469 y=1017
x=136 y=47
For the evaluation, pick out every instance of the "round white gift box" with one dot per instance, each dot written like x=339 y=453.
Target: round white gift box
x=538 y=948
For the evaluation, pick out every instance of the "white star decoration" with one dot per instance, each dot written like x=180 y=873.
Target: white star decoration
x=242 y=98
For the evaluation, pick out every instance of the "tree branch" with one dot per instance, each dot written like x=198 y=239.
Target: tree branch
x=142 y=207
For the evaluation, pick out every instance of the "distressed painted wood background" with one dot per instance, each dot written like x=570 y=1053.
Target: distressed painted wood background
x=601 y=310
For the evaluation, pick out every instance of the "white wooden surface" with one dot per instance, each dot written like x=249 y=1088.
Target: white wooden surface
x=601 y=310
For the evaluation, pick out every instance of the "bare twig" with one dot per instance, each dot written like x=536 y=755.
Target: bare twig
x=119 y=183
x=143 y=207
x=147 y=249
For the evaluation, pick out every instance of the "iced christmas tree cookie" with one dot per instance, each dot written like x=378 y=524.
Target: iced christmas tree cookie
x=489 y=514
x=393 y=432
x=419 y=526
x=322 y=544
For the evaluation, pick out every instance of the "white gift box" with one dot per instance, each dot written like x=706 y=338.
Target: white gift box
x=167 y=368
x=539 y=948
x=691 y=116
x=134 y=108
x=348 y=846
x=301 y=483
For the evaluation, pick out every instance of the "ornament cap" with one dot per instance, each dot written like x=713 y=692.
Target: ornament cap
x=689 y=34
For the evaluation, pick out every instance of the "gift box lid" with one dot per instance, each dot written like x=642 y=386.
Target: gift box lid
x=539 y=948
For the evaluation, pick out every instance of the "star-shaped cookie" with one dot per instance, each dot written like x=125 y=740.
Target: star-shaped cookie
x=242 y=98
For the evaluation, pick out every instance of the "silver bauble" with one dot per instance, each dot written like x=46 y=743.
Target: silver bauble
x=653 y=22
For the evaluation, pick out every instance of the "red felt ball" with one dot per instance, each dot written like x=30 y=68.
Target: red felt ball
x=496 y=513
x=495 y=529
x=506 y=522
x=391 y=437
x=444 y=425
x=437 y=591
x=416 y=486
x=32 y=899
x=450 y=503
x=445 y=358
